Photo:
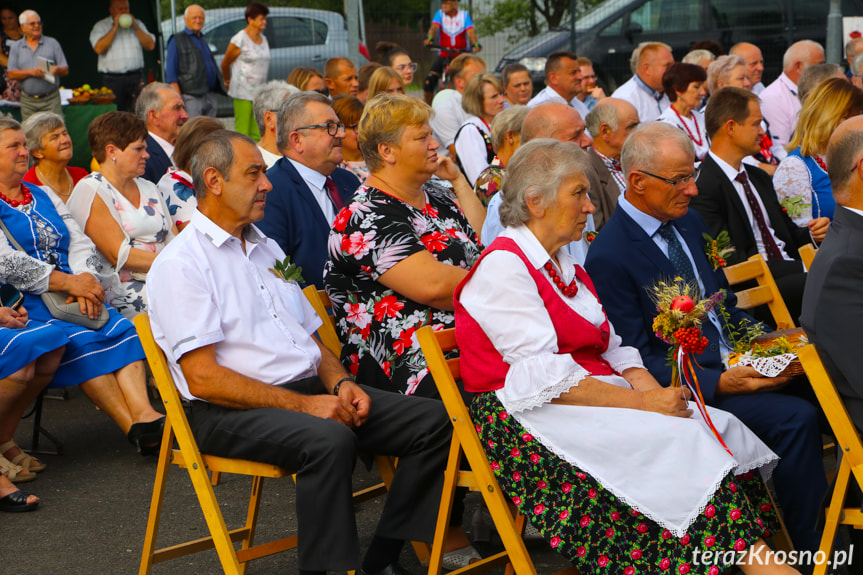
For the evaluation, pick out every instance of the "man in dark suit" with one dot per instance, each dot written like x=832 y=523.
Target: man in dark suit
x=652 y=236
x=833 y=303
x=609 y=123
x=741 y=200
x=308 y=187
x=162 y=108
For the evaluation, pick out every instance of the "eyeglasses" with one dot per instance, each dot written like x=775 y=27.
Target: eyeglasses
x=36 y=23
x=332 y=128
x=679 y=182
x=402 y=67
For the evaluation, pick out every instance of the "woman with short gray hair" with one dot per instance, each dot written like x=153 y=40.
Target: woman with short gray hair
x=50 y=150
x=505 y=139
x=482 y=100
x=728 y=71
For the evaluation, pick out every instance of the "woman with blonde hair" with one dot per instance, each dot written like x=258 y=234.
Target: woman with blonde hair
x=482 y=100
x=801 y=180
x=385 y=80
x=307 y=79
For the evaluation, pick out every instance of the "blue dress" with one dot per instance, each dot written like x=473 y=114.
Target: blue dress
x=44 y=235
x=19 y=347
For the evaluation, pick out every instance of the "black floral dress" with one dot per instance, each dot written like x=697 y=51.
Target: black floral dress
x=377 y=325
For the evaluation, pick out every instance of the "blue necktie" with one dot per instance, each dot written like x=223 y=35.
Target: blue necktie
x=678 y=257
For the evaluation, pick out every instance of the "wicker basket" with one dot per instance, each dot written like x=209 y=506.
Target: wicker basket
x=796 y=336
x=79 y=100
x=103 y=99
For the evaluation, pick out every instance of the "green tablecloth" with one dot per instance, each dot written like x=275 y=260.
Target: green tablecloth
x=78 y=120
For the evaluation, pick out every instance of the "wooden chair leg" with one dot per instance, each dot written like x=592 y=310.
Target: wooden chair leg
x=252 y=517
x=782 y=539
x=834 y=514
x=215 y=478
x=157 y=499
x=447 y=497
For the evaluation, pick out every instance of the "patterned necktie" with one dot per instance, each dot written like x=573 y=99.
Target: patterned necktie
x=333 y=192
x=678 y=257
x=770 y=246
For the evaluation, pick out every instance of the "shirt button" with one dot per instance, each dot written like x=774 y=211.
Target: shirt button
x=262 y=287
x=275 y=316
x=713 y=347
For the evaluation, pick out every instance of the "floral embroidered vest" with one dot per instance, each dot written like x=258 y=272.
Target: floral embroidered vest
x=482 y=366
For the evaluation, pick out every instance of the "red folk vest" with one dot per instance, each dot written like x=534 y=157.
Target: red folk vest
x=482 y=366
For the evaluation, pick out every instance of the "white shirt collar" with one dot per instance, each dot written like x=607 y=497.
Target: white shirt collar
x=310 y=175
x=726 y=168
x=165 y=145
x=218 y=235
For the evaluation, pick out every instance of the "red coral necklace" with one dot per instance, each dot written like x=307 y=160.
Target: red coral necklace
x=567 y=290
x=28 y=197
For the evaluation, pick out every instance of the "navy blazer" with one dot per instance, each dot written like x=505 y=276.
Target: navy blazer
x=623 y=260
x=294 y=219
x=158 y=162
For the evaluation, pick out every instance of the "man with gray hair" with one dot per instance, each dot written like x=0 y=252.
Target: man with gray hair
x=37 y=62
x=265 y=107
x=853 y=48
x=190 y=67
x=257 y=385
x=814 y=75
x=309 y=188
x=610 y=122
x=162 y=108
x=779 y=102
x=649 y=62
x=754 y=63
x=832 y=302
x=652 y=236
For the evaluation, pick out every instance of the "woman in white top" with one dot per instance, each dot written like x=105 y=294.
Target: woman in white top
x=123 y=214
x=614 y=470
x=245 y=67
x=686 y=87
x=482 y=100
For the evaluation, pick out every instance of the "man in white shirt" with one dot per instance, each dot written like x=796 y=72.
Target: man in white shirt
x=754 y=63
x=649 y=62
x=257 y=385
x=779 y=102
x=562 y=82
x=120 y=41
x=449 y=116
x=162 y=108
x=308 y=187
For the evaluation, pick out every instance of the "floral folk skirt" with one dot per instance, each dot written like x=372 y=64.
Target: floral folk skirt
x=595 y=530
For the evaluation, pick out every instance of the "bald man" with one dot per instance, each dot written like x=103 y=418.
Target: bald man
x=779 y=102
x=754 y=63
x=559 y=122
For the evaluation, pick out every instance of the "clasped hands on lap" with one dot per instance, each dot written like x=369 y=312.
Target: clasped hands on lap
x=82 y=287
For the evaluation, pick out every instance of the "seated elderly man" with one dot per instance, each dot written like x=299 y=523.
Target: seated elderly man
x=653 y=235
x=258 y=386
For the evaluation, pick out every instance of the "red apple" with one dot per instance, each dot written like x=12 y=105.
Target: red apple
x=683 y=303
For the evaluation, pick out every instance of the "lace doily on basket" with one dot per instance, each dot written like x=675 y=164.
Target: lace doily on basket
x=768 y=366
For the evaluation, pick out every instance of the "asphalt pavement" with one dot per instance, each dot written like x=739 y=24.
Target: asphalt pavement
x=95 y=498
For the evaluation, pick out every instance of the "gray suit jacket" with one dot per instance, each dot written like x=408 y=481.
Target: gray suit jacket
x=832 y=312
x=603 y=190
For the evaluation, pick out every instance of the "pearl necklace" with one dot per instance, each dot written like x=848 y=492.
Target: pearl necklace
x=28 y=197
x=567 y=290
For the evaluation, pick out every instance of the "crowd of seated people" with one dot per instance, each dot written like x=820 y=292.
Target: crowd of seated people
x=473 y=213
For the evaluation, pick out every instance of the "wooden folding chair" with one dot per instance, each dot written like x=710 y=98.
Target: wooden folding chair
x=466 y=441
x=766 y=292
x=807 y=254
x=320 y=301
x=850 y=449
x=233 y=561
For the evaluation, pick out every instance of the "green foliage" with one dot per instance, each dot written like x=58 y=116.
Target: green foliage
x=288 y=271
x=524 y=18
x=334 y=5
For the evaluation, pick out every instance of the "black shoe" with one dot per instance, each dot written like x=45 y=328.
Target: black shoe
x=147 y=437
x=391 y=569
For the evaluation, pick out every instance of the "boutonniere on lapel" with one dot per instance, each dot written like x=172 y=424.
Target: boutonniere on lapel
x=288 y=271
x=718 y=249
x=590 y=236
